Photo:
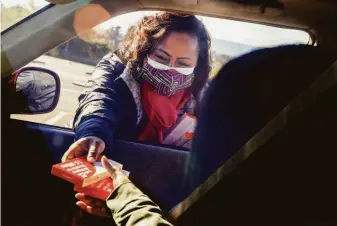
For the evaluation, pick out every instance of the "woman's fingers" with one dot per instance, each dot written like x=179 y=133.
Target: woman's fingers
x=92 y=152
x=72 y=150
x=94 y=146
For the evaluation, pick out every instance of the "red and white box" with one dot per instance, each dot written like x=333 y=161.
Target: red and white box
x=82 y=173
x=100 y=190
x=183 y=132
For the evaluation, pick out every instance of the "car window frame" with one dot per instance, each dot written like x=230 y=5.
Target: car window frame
x=162 y=145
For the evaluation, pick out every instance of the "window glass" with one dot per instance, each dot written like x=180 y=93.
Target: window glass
x=75 y=60
x=12 y=11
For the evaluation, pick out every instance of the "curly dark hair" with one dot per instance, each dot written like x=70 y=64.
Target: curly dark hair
x=150 y=29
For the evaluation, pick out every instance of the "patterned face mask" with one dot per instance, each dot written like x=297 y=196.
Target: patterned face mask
x=167 y=80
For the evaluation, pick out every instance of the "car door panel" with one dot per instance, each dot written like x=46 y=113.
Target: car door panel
x=158 y=171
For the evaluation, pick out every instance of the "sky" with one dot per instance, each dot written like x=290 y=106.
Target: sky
x=229 y=30
x=9 y=3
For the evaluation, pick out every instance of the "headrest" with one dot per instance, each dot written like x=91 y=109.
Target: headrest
x=247 y=93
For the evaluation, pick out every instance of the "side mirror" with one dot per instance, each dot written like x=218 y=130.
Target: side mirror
x=37 y=89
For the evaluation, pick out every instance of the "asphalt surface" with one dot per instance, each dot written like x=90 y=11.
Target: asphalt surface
x=73 y=76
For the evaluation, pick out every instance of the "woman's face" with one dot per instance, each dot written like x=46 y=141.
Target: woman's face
x=176 y=50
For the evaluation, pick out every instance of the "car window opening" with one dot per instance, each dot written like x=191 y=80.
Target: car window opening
x=166 y=75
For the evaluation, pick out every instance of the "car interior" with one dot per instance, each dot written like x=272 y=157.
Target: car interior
x=289 y=179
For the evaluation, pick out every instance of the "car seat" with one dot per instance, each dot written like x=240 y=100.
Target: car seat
x=291 y=178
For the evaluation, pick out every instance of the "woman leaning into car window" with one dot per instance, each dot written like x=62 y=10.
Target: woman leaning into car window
x=138 y=92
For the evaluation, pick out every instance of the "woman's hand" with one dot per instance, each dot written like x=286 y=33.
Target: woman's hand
x=93 y=146
x=95 y=206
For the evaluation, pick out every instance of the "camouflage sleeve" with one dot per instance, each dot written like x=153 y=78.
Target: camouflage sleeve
x=129 y=207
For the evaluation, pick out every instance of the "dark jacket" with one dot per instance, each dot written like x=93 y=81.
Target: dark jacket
x=106 y=108
x=110 y=106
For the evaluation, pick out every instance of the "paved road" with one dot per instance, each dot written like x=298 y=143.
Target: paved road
x=68 y=72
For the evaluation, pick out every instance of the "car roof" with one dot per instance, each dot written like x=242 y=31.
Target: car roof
x=318 y=17
x=302 y=14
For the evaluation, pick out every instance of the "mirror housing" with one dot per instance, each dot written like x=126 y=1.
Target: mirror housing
x=37 y=90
